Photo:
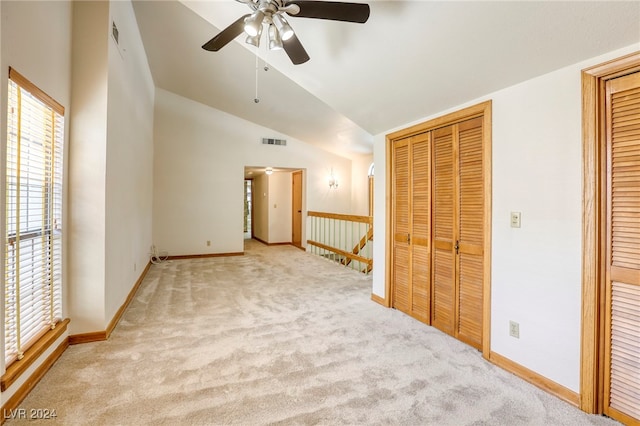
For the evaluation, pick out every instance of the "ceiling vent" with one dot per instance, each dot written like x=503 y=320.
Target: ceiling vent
x=117 y=38
x=115 y=33
x=269 y=141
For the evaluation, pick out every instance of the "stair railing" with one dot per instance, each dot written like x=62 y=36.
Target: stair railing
x=345 y=239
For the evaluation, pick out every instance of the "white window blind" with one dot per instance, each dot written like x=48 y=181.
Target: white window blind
x=33 y=240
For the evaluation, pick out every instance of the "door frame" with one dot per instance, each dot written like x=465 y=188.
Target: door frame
x=252 y=210
x=293 y=207
x=482 y=109
x=594 y=226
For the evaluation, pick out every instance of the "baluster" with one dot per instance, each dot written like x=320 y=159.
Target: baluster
x=323 y=239
x=353 y=225
x=327 y=231
x=315 y=233
x=335 y=243
x=368 y=245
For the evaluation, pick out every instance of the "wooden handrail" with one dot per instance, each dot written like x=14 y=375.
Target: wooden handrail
x=349 y=217
x=363 y=242
x=342 y=252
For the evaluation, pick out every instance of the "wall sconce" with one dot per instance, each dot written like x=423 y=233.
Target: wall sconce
x=268 y=170
x=333 y=181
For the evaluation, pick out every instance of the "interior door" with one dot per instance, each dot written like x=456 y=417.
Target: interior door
x=622 y=315
x=401 y=267
x=458 y=230
x=470 y=232
x=420 y=227
x=296 y=213
x=411 y=233
x=444 y=259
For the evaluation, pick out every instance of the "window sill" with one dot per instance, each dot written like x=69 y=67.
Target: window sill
x=17 y=368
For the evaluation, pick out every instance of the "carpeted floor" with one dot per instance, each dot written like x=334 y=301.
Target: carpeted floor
x=279 y=336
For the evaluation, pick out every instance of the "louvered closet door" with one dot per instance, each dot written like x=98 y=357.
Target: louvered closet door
x=622 y=350
x=420 y=224
x=401 y=207
x=458 y=228
x=411 y=237
x=470 y=221
x=444 y=271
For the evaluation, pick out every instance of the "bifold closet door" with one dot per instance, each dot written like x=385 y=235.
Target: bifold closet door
x=411 y=226
x=444 y=271
x=470 y=232
x=458 y=229
x=420 y=228
x=622 y=316
x=401 y=207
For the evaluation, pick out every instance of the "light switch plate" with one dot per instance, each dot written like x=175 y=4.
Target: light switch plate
x=515 y=219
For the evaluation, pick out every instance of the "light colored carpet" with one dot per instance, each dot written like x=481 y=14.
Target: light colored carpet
x=279 y=336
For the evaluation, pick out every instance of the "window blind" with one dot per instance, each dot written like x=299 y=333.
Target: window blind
x=33 y=240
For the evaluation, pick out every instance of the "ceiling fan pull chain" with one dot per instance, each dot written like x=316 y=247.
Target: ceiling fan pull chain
x=256 y=99
x=266 y=55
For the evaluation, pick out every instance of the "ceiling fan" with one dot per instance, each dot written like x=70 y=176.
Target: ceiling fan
x=281 y=35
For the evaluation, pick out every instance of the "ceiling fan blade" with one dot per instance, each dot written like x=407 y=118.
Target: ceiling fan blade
x=225 y=36
x=335 y=11
x=295 y=50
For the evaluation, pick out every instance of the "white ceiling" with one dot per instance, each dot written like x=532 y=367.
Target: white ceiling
x=410 y=60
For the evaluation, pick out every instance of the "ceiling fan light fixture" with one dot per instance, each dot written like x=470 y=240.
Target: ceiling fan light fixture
x=275 y=42
x=253 y=23
x=254 y=41
x=285 y=30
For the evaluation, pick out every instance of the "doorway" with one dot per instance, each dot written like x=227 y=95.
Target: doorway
x=274 y=200
x=248 y=210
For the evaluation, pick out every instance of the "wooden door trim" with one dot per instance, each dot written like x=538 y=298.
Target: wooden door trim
x=593 y=229
x=480 y=110
x=388 y=174
x=293 y=208
x=253 y=234
x=488 y=199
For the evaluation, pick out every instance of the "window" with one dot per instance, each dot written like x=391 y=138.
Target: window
x=33 y=239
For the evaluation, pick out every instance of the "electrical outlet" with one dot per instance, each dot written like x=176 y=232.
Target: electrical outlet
x=514 y=329
x=208 y=243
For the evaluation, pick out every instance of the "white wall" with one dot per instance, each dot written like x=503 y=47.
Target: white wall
x=35 y=39
x=199 y=159
x=360 y=185
x=536 y=269
x=110 y=163
x=129 y=159
x=87 y=166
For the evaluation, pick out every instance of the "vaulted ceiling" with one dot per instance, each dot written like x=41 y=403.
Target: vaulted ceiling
x=410 y=60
